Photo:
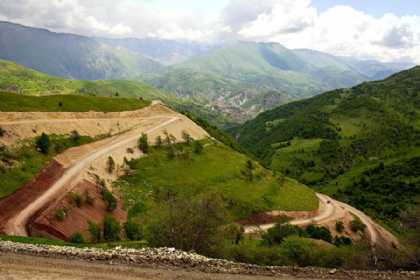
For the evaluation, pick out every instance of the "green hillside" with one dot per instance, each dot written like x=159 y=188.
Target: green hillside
x=360 y=144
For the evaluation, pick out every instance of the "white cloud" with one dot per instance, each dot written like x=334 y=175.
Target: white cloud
x=340 y=30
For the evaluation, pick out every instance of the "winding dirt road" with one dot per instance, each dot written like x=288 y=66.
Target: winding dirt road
x=330 y=210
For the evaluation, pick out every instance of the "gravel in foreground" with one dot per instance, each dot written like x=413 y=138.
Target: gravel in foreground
x=170 y=257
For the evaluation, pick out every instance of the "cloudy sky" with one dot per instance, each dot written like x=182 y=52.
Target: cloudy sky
x=388 y=30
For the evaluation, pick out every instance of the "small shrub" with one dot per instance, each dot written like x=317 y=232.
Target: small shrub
x=109 y=199
x=143 y=144
x=110 y=165
x=75 y=136
x=89 y=199
x=111 y=229
x=43 y=143
x=197 y=147
x=321 y=233
x=60 y=215
x=342 y=241
x=158 y=142
x=339 y=226
x=186 y=137
x=2 y=132
x=356 y=225
x=76 y=199
x=77 y=238
x=130 y=151
x=95 y=232
x=133 y=230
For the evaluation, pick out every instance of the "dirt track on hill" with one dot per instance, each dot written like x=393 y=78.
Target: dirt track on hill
x=81 y=162
x=330 y=211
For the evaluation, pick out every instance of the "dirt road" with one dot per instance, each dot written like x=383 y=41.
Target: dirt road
x=17 y=225
x=330 y=210
x=19 y=267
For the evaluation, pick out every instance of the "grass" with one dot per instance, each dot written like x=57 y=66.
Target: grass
x=67 y=103
x=218 y=170
x=18 y=165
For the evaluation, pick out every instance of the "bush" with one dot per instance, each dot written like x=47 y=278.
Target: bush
x=109 y=199
x=133 y=230
x=76 y=199
x=339 y=226
x=77 y=238
x=95 y=232
x=321 y=233
x=356 y=225
x=43 y=143
x=197 y=147
x=143 y=144
x=342 y=241
x=186 y=137
x=110 y=165
x=60 y=215
x=189 y=224
x=75 y=136
x=304 y=252
x=111 y=229
x=2 y=132
x=158 y=141
x=277 y=234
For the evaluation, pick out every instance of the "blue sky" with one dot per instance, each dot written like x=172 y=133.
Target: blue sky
x=375 y=7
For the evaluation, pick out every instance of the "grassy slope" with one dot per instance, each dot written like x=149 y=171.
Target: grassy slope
x=341 y=136
x=67 y=103
x=217 y=170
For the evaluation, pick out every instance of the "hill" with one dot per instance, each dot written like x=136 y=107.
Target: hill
x=253 y=77
x=71 y=56
x=359 y=144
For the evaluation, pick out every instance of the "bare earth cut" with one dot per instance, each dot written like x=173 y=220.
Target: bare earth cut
x=88 y=162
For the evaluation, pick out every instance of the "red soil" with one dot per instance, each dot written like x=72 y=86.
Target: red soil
x=20 y=199
x=76 y=219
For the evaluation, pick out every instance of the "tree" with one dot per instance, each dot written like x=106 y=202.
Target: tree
x=186 y=137
x=109 y=199
x=197 y=147
x=43 y=143
x=193 y=224
x=356 y=225
x=133 y=230
x=339 y=226
x=159 y=141
x=77 y=238
x=95 y=232
x=143 y=144
x=75 y=136
x=111 y=229
x=110 y=165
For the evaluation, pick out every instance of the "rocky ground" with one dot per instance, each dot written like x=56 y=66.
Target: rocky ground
x=149 y=263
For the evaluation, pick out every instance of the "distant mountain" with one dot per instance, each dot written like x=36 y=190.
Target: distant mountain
x=166 y=52
x=71 y=56
x=239 y=79
x=360 y=144
x=254 y=77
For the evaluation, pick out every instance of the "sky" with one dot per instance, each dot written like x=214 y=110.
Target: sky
x=386 y=30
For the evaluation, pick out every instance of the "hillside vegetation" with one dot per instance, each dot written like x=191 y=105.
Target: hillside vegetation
x=360 y=144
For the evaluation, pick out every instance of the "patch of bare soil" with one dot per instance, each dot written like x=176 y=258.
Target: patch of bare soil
x=76 y=217
x=13 y=204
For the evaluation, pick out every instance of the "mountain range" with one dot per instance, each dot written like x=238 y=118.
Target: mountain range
x=240 y=79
